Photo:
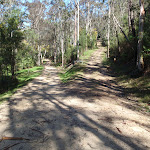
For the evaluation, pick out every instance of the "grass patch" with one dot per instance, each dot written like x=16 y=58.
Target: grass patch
x=69 y=74
x=9 y=86
x=137 y=86
x=87 y=54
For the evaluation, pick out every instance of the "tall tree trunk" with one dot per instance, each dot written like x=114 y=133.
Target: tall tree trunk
x=78 y=33
x=131 y=17
x=87 y=22
x=140 y=36
x=117 y=23
x=13 y=64
x=62 y=51
x=118 y=44
x=12 y=59
x=55 y=48
x=43 y=56
x=55 y=57
x=75 y=30
x=62 y=42
x=132 y=24
x=39 y=56
x=108 y=31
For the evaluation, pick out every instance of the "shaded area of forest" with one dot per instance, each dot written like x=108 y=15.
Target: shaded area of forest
x=125 y=34
x=126 y=38
x=8 y=85
x=134 y=84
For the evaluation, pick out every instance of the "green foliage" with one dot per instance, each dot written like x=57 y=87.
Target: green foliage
x=128 y=49
x=89 y=41
x=82 y=40
x=70 y=54
x=25 y=57
x=74 y=71
x=124 y=51
x=11 y=38
x=92 y=39
x=15 y=52
x=71 y=51
x=146 y=40
x=23 y=77
x=31 y=36
x=104 y=41
x=87 y=54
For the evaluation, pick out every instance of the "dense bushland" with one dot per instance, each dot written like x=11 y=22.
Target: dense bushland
x=124 y=44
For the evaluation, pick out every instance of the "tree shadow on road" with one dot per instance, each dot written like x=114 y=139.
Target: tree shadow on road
x=50 y=123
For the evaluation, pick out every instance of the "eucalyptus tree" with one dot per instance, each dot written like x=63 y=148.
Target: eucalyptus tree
x=108 y=35
x=36 y=16
x=76 y=4
x=140 y=36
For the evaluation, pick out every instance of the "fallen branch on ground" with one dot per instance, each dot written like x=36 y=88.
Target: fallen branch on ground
x=13 y=138
x=37 y=131
x=119 y=130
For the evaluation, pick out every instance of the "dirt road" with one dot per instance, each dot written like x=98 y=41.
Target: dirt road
x=92 y=112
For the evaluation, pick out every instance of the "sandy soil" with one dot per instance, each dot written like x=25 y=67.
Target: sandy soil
x=92 y=112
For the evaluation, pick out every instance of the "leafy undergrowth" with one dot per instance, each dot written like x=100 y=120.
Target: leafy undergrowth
x=138 y=86
x=9 y=86
x=67 y=75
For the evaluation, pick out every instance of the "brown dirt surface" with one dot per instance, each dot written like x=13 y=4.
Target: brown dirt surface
x=90 y=112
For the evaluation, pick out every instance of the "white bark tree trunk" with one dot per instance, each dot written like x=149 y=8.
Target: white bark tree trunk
x=87 y=22
x=108 y=31
x=140 y=36
x=78 y=33
x=39 y=56
x=129 y=14
x=62 y=51
x=75 y=30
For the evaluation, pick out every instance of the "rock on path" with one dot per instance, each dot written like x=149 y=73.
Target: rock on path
x=91 y=112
